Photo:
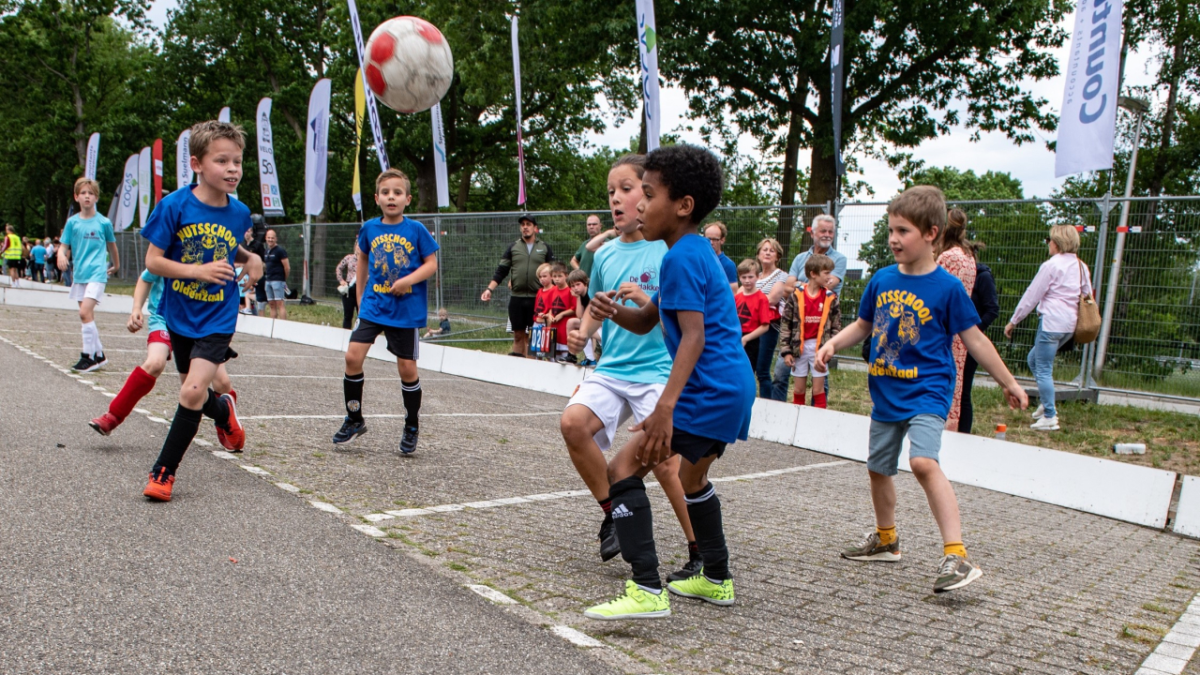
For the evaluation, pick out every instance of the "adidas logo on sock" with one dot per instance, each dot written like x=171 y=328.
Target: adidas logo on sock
x=621 y=512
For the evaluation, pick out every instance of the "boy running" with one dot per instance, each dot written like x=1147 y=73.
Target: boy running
x=84 y=239
x=912 y=311
x=395 y=256
x=193 y=237
x=706 y=402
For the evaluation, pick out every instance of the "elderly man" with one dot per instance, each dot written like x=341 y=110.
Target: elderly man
x=716 y=232
x=582 y=260
x=521 y=260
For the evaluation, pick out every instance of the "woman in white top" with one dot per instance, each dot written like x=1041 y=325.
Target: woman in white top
x=1055 y=292
x=346 y=272
x=773 y=283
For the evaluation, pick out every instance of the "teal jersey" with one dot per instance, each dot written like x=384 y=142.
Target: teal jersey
x=154 y=320
x=89 y=239
x=628 y=356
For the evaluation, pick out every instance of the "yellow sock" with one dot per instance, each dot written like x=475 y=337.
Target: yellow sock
x=954 y=548
x=886 y=534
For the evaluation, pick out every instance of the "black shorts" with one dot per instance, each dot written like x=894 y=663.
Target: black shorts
x=260 y=291
x=694 y=448
x=520 y=312
x=212 y=348
x=402 y=342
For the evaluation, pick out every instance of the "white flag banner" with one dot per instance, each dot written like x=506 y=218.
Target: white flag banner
x=223 y=116
x=145 y=180
x=183 y=160
x=439 y=157
x=648 y=51
x=272 y=201
x=376 y=130
x=93 y=155
x=516 y=59
x=316 y=146
x=128 y=195
x=1087 y=123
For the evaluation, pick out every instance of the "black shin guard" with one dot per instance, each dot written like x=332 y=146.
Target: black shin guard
x=179 y=437
x=411 y=391
x=352 y=387
x=704 y=510
x=216 y=409
x=635 y=530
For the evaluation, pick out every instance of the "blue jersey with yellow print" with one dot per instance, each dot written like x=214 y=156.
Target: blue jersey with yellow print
x=394 y=252
x=194 y=233
x=914 y=319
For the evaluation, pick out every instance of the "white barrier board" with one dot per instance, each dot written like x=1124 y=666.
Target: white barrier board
x=1187 y=514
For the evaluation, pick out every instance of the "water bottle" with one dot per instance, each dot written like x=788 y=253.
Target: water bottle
x=1129 y=448
x=1001 y=430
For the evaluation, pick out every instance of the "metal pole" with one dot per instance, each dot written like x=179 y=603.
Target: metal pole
x=1110 y=300
x=437 y=238
x=1089 y=351
x=307 y=232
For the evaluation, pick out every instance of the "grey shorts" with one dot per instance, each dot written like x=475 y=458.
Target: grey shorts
x=276 y=290
x=924 y=438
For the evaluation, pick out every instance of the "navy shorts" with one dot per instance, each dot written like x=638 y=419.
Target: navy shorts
x=212 y=348
x=694 y=448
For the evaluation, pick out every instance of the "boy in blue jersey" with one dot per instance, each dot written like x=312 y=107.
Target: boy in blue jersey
x=706 y=402
x=633 y=369
x=89 y=244
x=916 y=302
x=396 y=256
x=140 y=382
x=194 y=236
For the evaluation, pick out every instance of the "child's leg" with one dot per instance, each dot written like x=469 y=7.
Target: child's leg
x=632 y=516
x=579 y=426
x=800 y=390
x=87 y=319
x=667 y=474
x=883 y=500
x=818 y=388
x=925 y=440
x=194 y=400
x=410 y=390
x=221 y=382
x=139 y=383
x=352 y=384
x=704 y=511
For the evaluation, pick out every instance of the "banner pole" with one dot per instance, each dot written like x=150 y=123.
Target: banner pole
x=307 y=283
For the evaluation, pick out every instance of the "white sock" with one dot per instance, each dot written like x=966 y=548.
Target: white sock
x=91 y=339
x=589 y=350
x=652 y=591
x=96 y=339
x=87 y=338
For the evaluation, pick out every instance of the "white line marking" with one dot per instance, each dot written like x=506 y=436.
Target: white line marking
x=222 y=454
x=376 y=517
x=575 y=637
x=492 y=594
x=288 y=487
x=255 y=470
x=369 y=530
x=324 y=506
x=1175 y=651
x=777 y=472
x=142 y=411
x=404 y=513
x=110 y=394
x=202 y=443
x=384 y=416
x=330 y=377
x=160 y=420
x=88 y=382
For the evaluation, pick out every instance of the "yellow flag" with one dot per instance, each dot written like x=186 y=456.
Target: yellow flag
x=360 y=106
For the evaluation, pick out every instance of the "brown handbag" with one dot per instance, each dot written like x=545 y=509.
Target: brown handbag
x=1087 y=322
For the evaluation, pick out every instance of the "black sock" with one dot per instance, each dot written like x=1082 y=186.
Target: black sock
x=606 y=506
x=411 y=391
x=352 y=387
x=693 y=550
x=179 y=437
x=635 y=530
x=216 y=409
x=704 y=510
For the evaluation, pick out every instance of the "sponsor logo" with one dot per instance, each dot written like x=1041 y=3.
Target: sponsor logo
x=621 y=512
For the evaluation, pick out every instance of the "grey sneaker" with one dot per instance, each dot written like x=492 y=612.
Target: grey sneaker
x=872 y=551
x=954 y=572
x=408 y=444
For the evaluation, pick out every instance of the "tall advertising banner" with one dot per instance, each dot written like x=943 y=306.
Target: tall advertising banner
x=648 y=52
x=838 y=75
x=268 y=179
x=183 y=160
x=316 y=148
x=516 y=58
x=360 y=107
x=376 y=130
x=93 y=155
x=223 y=116
x=439 y=157
x=128 y=195
x=143 y=182
x=1089 y=110
x=156 y=154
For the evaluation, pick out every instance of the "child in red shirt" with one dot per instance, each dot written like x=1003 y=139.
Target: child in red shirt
x=562 y=308
x=753 y=308
x=810 y=317
x=541 y=308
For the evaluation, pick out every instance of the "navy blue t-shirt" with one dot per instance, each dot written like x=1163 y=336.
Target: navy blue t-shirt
x=727 y=267
x=194 y=233
x=718 y=397
x=395 y=251
x=915 y=319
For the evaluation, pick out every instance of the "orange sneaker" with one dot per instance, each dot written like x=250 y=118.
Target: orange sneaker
x=233 y=438
x=159 y=487
x=105 y=423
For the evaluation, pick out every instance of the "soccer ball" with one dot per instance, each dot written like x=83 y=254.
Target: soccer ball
x=409 y=65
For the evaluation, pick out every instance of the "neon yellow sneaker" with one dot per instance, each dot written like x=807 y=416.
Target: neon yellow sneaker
x=700 y=587
x=635 y=604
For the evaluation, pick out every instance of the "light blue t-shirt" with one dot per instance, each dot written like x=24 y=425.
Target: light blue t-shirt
x=39 y=254
x=628 y=356
x=154 y=320
x=839 y=267
x=89 y=239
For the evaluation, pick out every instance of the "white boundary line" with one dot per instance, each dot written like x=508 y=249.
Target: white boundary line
x=390 y=416
x=1175 y=651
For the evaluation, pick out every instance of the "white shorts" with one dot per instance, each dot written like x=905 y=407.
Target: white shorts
x=613 y=401
x=92 y=289
x=804 y=362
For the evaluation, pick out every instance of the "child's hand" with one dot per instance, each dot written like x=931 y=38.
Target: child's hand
x=1017 y=398
x=401 y=287
x=575 y=341
x=744 y=340
x=136 y=320
x=790 y=361
x=603 y=305
x=659 y=427
x=215 y=272
x=631 y=291
x=825 y=353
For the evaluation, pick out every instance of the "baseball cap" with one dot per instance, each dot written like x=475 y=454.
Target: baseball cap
x=526 y=216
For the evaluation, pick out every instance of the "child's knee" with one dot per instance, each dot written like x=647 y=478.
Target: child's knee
x=154 y=367
x=924 y=468
x=192 y=396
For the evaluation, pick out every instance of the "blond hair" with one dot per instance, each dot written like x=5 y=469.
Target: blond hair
x=84 y=182
x=924 y=206
x=393 y=172
x=544 y=267
x=749 y=265
x=1066 y=238
x=204 y=134
x=775 y=245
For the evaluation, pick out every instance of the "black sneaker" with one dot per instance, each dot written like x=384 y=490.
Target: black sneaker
x=569 y=358
x=97 y=361
x=690 y=569
x=86 y=364
x=350 y=430
x=955 y=572
x=408 y=444
x=871 y=551
x=609 y=546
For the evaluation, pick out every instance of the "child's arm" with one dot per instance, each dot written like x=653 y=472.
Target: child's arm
x=640 y=320
x=427 y=269
x=136 y=319
x=660 y=425
x=848 y=337
x=252 y=267
x=982 y=350
x=754 y=334
x=565 y=314
x=114 y=258
x=634 y=293
x=64 y=254
x=361 y=270
x=215 y=272
x=835 y=317
x=601 y=239
x=787 y=319
x=588 y=325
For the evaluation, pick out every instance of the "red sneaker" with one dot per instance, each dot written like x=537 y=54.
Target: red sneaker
x=105 y=423
x=232 y=438
x=159 y=487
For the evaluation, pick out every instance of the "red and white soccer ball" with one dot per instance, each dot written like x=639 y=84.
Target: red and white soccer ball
x=409 y=65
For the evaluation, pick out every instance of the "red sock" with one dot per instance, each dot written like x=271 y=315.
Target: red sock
x=798 y=397
x=137 y=385
x=819 y=400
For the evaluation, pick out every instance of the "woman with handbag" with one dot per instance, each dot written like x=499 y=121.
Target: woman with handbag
x=1062 y=293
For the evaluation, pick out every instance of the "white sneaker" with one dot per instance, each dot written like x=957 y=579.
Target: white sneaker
x=1045 y=424
x=1040 y=412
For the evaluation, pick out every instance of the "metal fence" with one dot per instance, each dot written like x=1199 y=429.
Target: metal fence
x=1155 y=330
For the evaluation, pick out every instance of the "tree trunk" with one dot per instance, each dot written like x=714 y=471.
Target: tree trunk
x=426 y=185
x=642 y=134
x=787 y=198
x=464 y=187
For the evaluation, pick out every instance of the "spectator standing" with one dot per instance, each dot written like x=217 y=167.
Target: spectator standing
x=582 y=260
x=753 y=308
x=773 y=283
x=275 y=270
x=1055 y=291
x=37 y=262
x=50 y=270
x=254 y=245
x=716 y=232
x=346 y=271
x=956 y=255
x=987 y=303
x=12 y=254
x=521 y=260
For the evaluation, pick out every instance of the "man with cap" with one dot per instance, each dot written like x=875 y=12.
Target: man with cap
x=521 y=260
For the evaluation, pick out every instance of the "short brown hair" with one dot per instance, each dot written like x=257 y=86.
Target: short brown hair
x=204 y=133
x=393 y=172
x=85 y=182
x=816 y=264
x=557 y=267
x=577 y=276
x=923 y=205
x=749 y=265
x=720 y=226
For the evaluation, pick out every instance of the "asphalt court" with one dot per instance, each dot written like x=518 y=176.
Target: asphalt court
x=1062 y=591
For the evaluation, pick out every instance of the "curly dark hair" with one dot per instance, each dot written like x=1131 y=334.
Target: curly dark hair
x=689 y=171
